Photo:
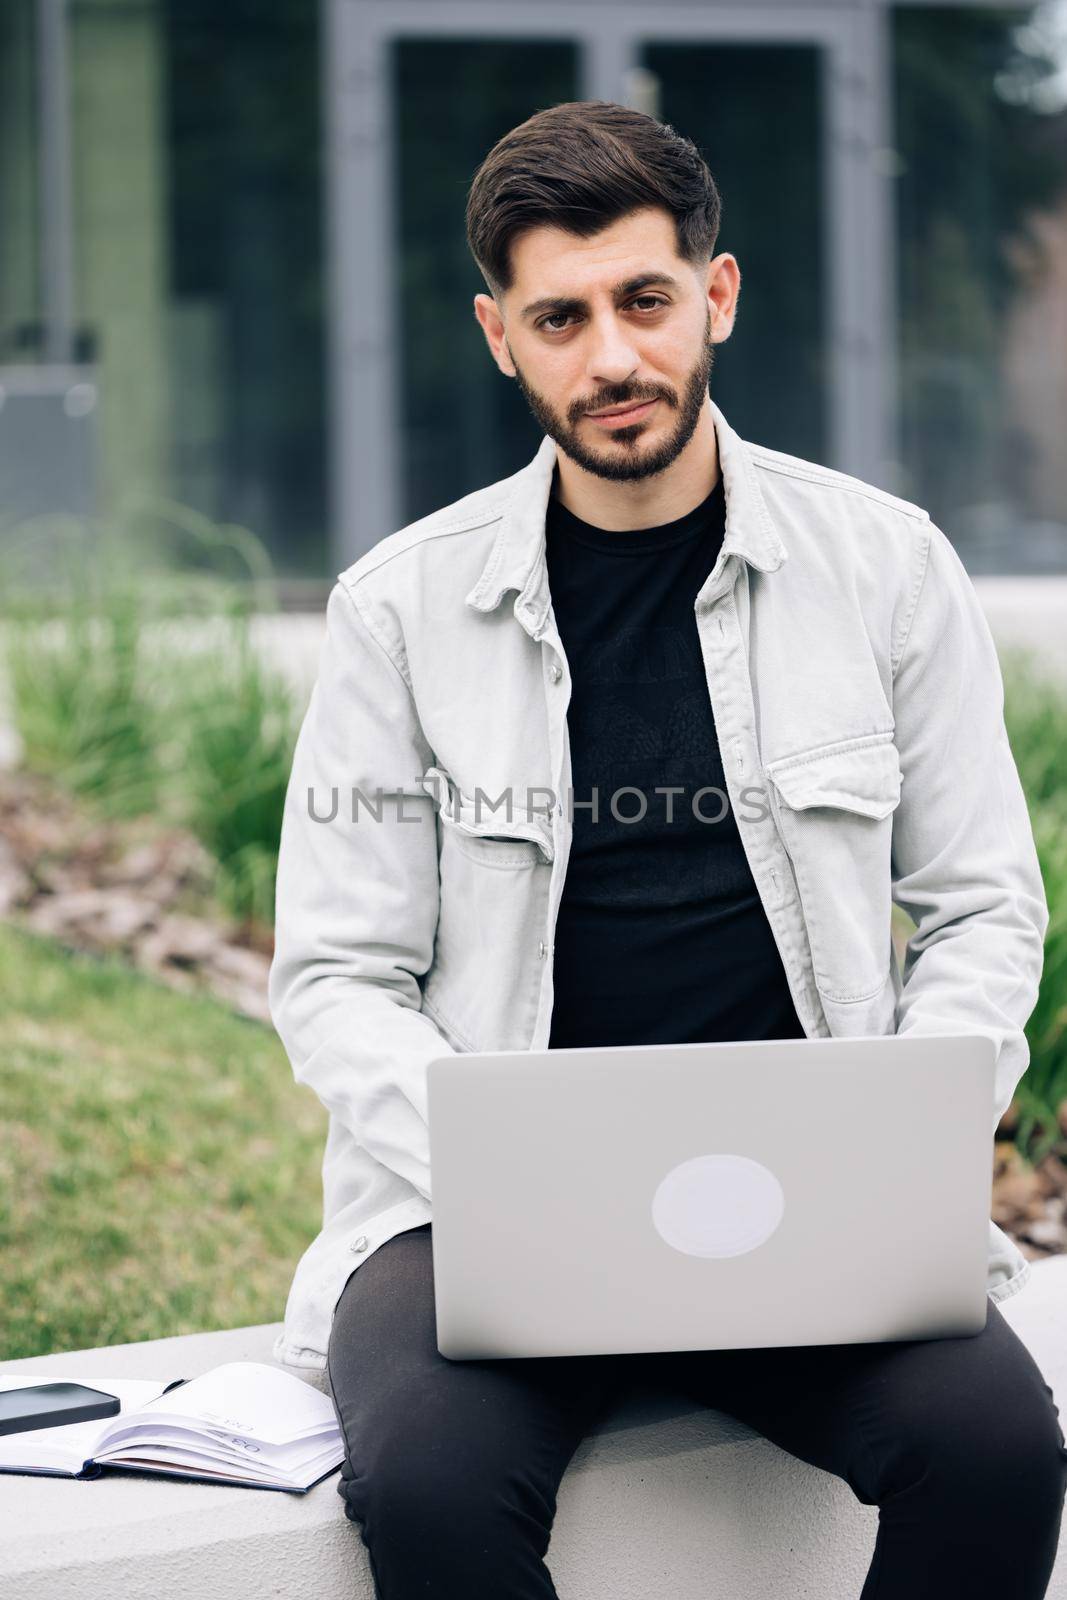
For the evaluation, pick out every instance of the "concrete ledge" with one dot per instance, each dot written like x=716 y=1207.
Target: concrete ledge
x=664 y=1498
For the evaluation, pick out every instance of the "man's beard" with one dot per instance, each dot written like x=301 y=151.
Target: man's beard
x=622 y=458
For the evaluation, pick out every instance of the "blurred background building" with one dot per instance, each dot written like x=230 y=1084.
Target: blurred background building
x=233 y=270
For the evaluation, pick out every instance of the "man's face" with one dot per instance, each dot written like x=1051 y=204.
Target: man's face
x=591 y=324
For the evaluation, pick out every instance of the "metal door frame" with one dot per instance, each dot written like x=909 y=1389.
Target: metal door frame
x=364 y=321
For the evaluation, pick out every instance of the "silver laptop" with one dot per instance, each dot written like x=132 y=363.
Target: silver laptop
x=711 y=1196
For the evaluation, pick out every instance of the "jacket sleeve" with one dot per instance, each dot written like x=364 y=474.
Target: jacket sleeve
x=357 y=901
x=965 y=865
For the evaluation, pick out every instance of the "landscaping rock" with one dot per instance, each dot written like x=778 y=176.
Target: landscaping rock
x=110 y=887
x=16 y=884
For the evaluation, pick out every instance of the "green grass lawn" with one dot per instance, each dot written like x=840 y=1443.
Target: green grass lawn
x=159 y=1167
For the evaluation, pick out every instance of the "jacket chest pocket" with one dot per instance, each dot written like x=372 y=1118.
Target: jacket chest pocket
x=494 y=878
x=834 y=809
x=504 y=837
x=501 y=852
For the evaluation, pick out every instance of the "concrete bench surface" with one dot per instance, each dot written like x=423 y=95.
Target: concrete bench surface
x=664 y=1498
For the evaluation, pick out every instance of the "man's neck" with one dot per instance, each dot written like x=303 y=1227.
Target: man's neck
x=644 y=502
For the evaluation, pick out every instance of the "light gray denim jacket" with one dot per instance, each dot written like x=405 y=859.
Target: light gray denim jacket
x=858 y=702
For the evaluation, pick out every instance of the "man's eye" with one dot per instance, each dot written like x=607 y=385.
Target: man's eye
x=652 y=303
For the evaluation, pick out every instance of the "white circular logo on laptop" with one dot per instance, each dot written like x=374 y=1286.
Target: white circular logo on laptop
x=718 y=1205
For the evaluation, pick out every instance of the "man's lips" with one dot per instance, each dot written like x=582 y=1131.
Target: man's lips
x=616 y=417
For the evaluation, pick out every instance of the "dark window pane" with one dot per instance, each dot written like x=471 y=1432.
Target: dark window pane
x=754 y=111
x=245 y=269
x=21 y=334
x=464 y=423
x=981 y=112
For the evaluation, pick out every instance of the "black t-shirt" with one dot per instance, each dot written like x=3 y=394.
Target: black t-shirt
x=661 y=936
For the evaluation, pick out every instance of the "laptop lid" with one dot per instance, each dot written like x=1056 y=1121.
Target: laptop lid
x=711 y=1196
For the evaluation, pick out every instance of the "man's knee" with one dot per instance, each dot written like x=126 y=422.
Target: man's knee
x=1006 y=1453
x=1028 y=1457
x=413 y=1483
x=432 y=1522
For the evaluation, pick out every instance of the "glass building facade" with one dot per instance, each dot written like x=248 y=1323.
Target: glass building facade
x=233 y=272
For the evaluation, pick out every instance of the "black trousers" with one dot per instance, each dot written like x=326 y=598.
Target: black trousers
x=451 y=1468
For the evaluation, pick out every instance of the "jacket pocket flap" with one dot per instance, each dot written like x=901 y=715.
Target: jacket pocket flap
x=859 y=777
x=459 y=811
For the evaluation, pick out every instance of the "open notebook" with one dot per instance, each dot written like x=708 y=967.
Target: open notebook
x=244 y=1423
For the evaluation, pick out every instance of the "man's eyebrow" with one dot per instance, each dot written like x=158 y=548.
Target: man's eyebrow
x=621 y=291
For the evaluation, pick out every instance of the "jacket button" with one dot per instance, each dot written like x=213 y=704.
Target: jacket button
x=542 y=949
x=557 y=672
x=359 y=1245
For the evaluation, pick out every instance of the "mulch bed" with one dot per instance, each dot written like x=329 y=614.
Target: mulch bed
x=128 y=887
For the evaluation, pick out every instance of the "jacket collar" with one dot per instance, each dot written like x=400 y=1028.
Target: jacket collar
x=516 y=560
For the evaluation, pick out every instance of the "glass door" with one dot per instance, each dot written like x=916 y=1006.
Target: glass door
x=754 y=111
x=461 y=423
x=787 y=103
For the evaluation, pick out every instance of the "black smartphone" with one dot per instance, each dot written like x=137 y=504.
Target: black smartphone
x=50 y=1405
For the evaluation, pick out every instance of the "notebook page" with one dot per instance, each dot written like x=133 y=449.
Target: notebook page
x=68 y=1447
x=234 y=1479
x=153 y=1453
x=165 y=1456
x=138 y=1434
x=164 y=1443
x=242 y=1400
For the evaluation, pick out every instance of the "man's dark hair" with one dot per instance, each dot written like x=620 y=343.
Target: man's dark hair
x=580 y=166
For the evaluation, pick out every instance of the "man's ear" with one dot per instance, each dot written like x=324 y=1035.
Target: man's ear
x=723 y=291
x=488 y=314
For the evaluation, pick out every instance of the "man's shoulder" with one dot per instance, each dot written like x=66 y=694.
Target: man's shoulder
x=481 y=508
x=775 y=465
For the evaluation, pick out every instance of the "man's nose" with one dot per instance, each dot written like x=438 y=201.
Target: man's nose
x=612 y=357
